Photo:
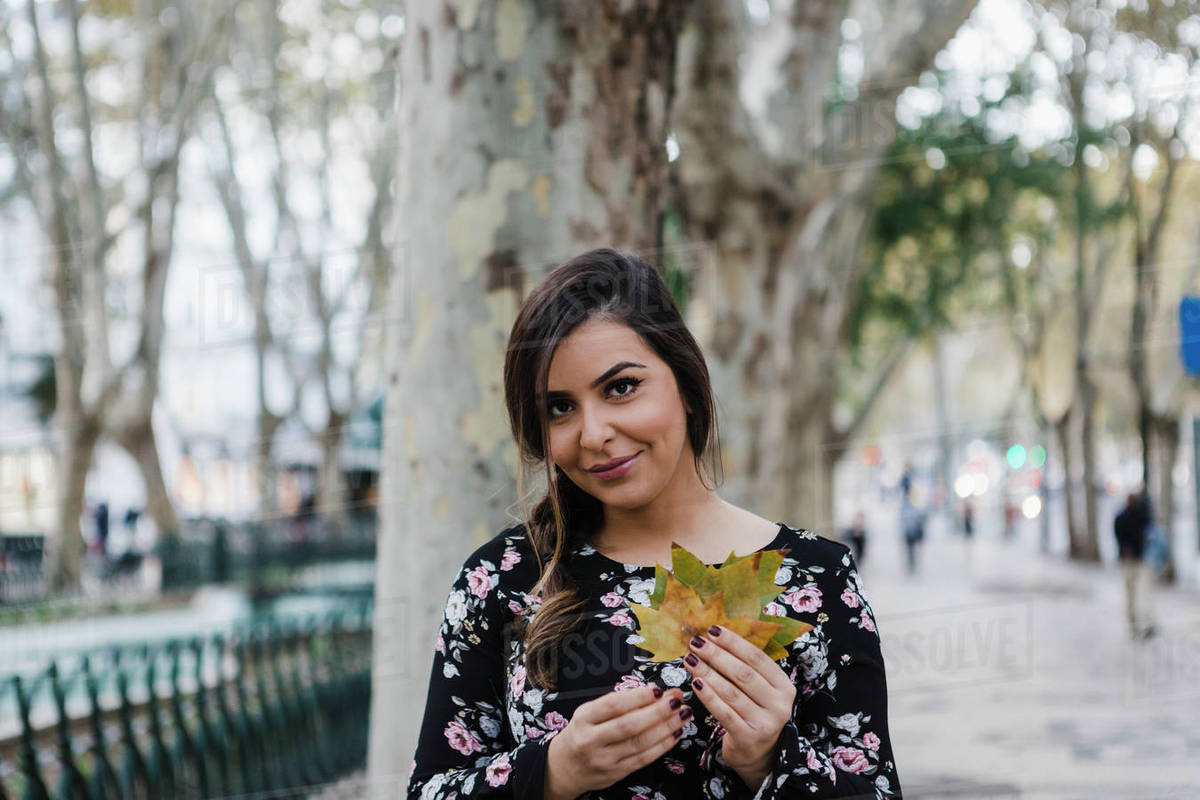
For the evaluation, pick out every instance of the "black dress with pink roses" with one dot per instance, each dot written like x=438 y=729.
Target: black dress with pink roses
x=486 y=729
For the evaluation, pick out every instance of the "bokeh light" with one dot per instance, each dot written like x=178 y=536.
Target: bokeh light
x=1037 y=456
x=1031 y=506
x=1015 y=456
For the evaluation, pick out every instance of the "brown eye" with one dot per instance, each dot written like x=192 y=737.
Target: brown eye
x=632 y=382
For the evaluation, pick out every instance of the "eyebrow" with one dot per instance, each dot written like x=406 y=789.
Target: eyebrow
x=608 y=373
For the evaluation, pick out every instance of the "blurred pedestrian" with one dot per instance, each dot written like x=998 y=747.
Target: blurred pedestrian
x=912 y=521
x=906 y=482
x=856 y=535
x=968 y=519
x=1132 y=527
x=101 y=520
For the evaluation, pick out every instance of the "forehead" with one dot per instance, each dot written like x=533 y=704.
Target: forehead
x=593 y=347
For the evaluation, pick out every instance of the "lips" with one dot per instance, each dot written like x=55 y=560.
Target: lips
x=616 y=462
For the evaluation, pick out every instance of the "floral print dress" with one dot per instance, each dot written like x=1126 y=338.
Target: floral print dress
x=486 y=729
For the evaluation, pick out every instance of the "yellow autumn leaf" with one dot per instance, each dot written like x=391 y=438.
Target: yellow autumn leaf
x=692 y=596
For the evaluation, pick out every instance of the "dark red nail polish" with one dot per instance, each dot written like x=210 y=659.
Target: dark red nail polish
x=685 y=714
x=691 y=659
x=714 y=630
x=699 y=684
x=675 y=703
x=658 y=692
x=697 y=641
x=678 y=732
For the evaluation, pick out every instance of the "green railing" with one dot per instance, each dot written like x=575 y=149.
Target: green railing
x=267 y=708
x=260 y=552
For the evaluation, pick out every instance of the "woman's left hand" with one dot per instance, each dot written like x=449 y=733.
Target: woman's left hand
x=749 y=694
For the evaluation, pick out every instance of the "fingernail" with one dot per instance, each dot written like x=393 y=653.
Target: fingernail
x=658 y=692
x=714 y=630
x=685 y=714
x=691 y=659
x=675 y=703
x=697 y=642
x=678 y=732
x=699 y=684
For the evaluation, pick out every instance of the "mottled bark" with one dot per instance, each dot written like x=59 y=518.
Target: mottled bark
x=529 y=133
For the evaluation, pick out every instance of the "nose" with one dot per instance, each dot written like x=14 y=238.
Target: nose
x=595 y=430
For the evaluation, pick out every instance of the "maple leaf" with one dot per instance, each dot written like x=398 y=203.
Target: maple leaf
x=692 y=595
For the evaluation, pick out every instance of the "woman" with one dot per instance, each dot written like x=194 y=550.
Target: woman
x=538 y=689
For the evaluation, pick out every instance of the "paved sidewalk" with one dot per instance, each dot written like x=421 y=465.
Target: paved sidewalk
x=1013 y=675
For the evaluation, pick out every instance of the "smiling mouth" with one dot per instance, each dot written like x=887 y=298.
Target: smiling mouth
x=618 y=472
x=612 y=464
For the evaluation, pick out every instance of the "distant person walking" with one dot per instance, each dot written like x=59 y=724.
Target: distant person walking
x=968 y=519
x=1131 y=528
x=856 y=535
x=101 y=520
x=906 y=482
x=912 y=521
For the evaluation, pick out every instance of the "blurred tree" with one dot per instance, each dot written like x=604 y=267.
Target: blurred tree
x=1163 y=37
x=310 y=128
x=1070 y=32
x=965 y=216
x=778 y=160
x=137 y=78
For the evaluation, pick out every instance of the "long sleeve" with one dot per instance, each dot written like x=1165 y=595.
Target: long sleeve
x=465 y=747
x=836 y=743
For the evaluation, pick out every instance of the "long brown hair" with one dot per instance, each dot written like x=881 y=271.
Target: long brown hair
x=611 y=286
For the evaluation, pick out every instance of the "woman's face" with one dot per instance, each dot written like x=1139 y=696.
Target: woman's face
x=600 y=411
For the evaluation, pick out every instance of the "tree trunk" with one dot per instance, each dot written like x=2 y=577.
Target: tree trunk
x=530 y=132
x=64 y=556
x=945 y=430
x=264 y=463
x=1062 y=430
x=1089 y=549
x=140 y=442
x=331 y=487
x=1168 y=438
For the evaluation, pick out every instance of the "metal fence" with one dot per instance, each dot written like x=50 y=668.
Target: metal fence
x=216 y=551
x=207 y=550
x=266 y=709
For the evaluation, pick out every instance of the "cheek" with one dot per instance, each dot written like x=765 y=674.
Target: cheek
x=560 y=447
x=658 y=420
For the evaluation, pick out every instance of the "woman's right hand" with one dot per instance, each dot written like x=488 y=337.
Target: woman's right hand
x=612 y=736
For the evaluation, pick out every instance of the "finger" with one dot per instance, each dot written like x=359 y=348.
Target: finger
x=639 y=759
x=673 y=720
x=614 y=704
x=735 y=643
x=636 y=722
x=732 y=708
x=740 y=675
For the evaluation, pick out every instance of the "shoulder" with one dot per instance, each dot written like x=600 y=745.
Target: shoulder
x=512 y=542
x=810 y=550
x=507 y=560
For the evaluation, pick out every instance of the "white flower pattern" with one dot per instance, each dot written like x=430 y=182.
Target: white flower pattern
x=487 y=726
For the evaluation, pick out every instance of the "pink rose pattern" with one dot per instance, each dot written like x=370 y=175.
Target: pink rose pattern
x=836 y=733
